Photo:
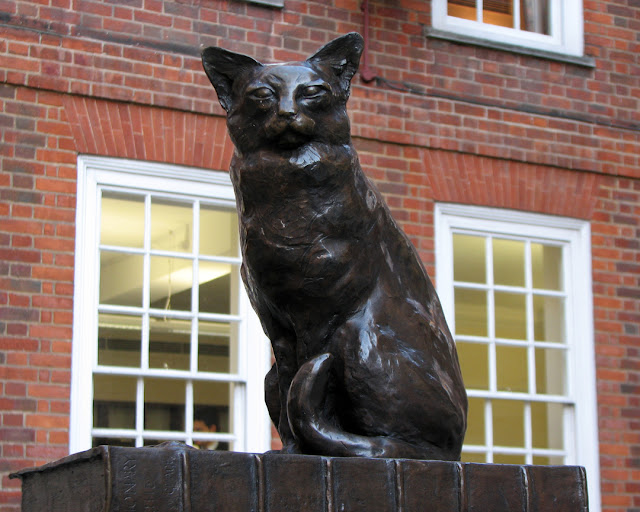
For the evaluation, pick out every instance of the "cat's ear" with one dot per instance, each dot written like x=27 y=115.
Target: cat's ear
x=342 y=56
x=223 y=68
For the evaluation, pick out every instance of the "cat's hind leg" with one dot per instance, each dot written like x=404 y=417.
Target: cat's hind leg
x=315 y=425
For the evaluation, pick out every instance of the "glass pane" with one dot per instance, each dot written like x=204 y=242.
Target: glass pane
x=508 y=423
x=505 y=458
x=117 y=441
x=469 y=259
x=551 y=371
x=534 y=16
x=212 y=406
x=164 y=404
x=541 y=460
x=511 y=316
x=122 y=220
x=121 y=279
x=169 y=343
x=462 y=9
x=474 y=363
x=498 y=12
x=171 y=282
x=548 y=314
x=171 y=226
x=547 y=425
x=155 y=442
x=216 y=353
x=511 y=368
x=475 y=422
x=471 y=312
x=210 y=444
x=218 y=287
x=546 y=266
x=114 y=401
x=508 y=262
x=474 y=457
x=218 y=231
x=119 y=338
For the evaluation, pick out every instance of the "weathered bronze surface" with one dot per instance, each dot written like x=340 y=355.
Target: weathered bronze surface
x=365 y=364
x=176 y=478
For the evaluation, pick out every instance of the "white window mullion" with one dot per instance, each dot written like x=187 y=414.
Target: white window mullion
x=491 y=316
x=488 y=429
x=188 y=411
x=146 y=278
x=531 y=350
x=557 y=21
x=139 y=411
x=491 y=334
x=528 y=433
x=195 y=288
x=189 y=401
x=572 y=355
x=570 y=433
x=569 y=325
x=515 y=8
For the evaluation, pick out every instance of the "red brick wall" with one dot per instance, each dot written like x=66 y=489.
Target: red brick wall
x=616 y=275
x=466 y=98
x=37 y=234
x=479 y=127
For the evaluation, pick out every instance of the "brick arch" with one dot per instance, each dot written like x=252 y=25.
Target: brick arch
x=484 y=181
x=127 y=130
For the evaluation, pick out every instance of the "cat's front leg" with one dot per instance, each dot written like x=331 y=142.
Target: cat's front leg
x=277 y=384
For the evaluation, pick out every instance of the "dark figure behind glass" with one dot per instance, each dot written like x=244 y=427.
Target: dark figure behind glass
x=365 y=364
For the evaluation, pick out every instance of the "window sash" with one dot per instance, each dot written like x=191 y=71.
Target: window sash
x=493 y=343
x=251 y=425
x=579 y=402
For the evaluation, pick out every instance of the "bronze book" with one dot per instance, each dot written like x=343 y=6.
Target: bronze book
x=176 y=478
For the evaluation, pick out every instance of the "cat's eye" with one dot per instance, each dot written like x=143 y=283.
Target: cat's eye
x=261 y=93
x=312 y=91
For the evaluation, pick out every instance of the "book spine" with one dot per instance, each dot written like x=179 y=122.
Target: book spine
x=147 y=479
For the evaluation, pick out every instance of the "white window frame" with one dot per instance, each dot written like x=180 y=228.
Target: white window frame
x=575 y=235
x=252 y=431
x=566 y=27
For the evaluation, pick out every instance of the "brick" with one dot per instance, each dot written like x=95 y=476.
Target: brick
x=49 y=391
x=46 y=421
x=22 y=435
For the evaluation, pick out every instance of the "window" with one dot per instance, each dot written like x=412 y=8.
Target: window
x=165 y=345
x=548 y=25
x=516 y=290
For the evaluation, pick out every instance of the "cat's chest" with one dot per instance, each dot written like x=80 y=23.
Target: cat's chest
x=290 y=198
x=302 y=211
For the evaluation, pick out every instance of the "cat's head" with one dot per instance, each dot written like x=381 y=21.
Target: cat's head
x=285 y=106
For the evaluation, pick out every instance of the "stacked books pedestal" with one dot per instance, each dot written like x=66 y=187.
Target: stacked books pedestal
x=176 y=478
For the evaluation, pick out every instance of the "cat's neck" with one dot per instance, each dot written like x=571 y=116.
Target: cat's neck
x=311 y=163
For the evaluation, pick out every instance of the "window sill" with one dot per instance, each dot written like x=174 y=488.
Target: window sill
x=279 y=4
x=435 y=33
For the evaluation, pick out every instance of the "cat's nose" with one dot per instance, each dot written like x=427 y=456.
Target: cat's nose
x=287 y=107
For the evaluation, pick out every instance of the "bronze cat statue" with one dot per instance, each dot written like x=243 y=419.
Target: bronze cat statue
x=365 y=364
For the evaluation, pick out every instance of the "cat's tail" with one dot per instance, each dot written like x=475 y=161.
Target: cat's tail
x=313 y=421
